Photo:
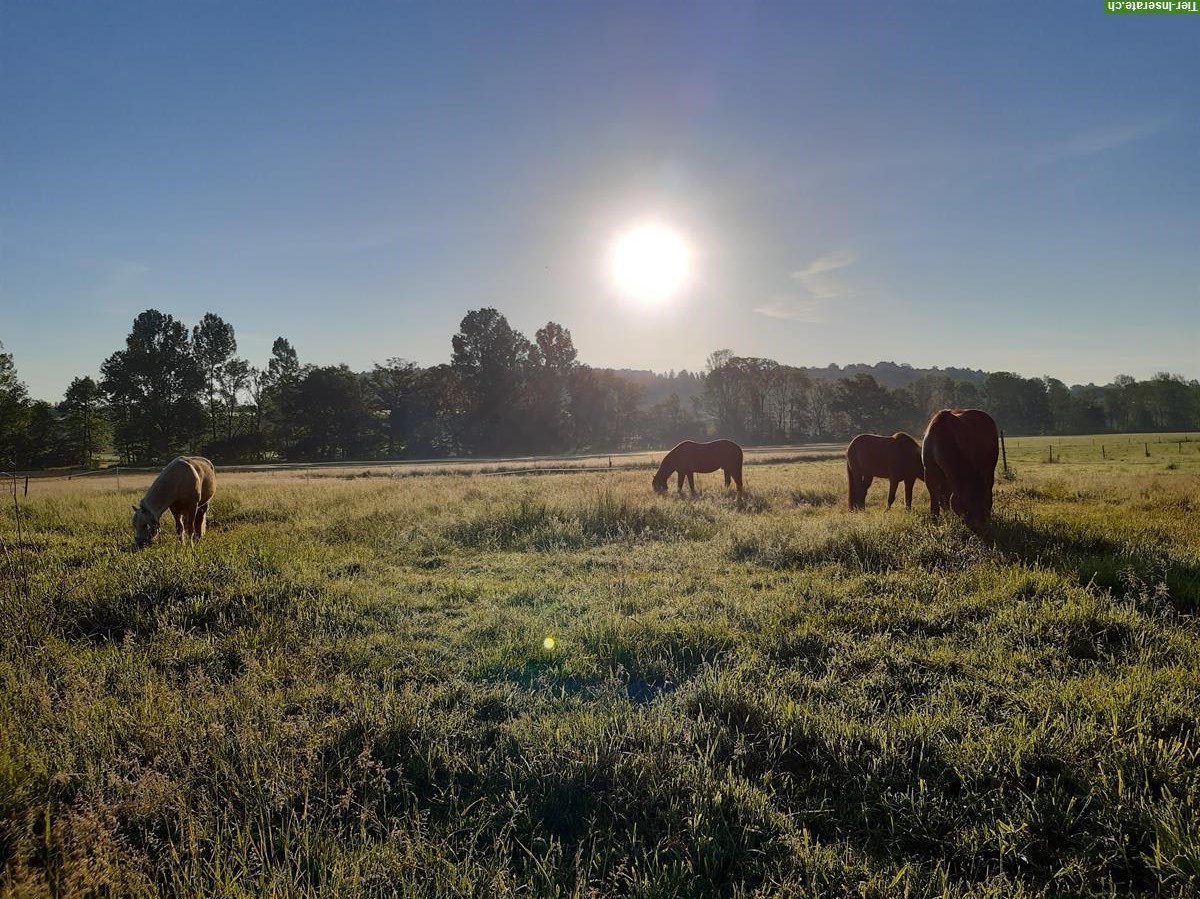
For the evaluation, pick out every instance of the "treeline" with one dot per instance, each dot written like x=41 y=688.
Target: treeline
x=760 y=401
x=172 y=389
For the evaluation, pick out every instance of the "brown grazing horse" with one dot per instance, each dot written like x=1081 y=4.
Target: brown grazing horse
x=185 y=486
x=870 y=456
x=960 y=451
x=690 y=457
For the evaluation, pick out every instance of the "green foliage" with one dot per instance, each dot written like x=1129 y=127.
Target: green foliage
x=502 y=394
x=14 y=413
x=153 y=388
x=332 y=416
x=346 y=689
x=214 y=347
x=85 y=426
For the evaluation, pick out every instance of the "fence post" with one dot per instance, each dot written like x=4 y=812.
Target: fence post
x=118 y=479
x=1102 y=453
x=1051 y=452
x=1004 y=453
x=27 y=485
x=1147 y=450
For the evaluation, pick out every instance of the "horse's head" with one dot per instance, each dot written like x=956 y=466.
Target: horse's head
x=974 y=509
x=145 y=526
x=659 y=484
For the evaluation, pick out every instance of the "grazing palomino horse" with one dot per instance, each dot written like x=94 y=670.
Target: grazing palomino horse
x=186 y=487
x=690 y=457
x=870 y=456
x=960 y=451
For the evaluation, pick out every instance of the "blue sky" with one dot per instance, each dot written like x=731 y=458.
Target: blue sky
x=993 y=185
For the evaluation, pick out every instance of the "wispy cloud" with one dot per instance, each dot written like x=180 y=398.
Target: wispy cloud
x=1102 y=140
x=828 y=263
x=816 y=277
x=794 y=310
x=817 y=285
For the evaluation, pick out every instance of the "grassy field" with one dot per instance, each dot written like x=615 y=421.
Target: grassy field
x=563 y=685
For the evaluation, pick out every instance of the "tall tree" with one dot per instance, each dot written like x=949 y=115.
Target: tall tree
x=214 y=345
x=153 y=387
x=14 y=412
x=865 y=406
x=332 y=417
x=553 y=347
x=234 y=379
x=551 y=359
x=278 y=389
x=393 y=386
x=489 y=358
x=44 y=444
x=85 y=429
x=722 y=393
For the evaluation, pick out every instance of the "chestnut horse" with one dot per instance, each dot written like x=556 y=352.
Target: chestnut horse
x=960 y=451
x=870 y=456
x=690 y=457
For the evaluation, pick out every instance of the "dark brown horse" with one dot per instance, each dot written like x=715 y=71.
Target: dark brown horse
x=870 y=456
x=960 y=451
x=690 y=457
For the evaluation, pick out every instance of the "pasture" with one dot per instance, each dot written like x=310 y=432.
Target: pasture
x=458 y=685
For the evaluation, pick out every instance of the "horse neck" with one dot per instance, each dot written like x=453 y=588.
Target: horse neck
x=665 y=469
x=155 y=500
x=152 y=503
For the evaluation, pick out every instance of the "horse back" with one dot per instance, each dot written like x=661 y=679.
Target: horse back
x=207 y=474
x=184 y=481
x=869 y=454
x=906 y=457
x=877 y=456
x=964 y=444
x=704 y=457
x=980 y=440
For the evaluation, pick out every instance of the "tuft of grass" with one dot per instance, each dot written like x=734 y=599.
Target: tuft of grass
x=815 y=498
x=859 y=544
x=604 y=518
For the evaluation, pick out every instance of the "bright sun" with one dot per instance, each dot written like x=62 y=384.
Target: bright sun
x=650 y=263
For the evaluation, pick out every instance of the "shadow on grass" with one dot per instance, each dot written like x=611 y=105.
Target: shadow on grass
x=1123 y=567
x=545 y=676
x=144 y=612
x=907 y=801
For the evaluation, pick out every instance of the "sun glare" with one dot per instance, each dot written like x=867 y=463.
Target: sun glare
x=650 y=263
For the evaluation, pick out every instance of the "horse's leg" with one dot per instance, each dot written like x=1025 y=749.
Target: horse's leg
x=728 y=477
x=177 y=514
x=892 y=485
x=692 y=482
x=864 y=484
x=198 y=523
x=935 y=481
x=737 y=477
x=852 y=479
x=189 y=519
x=681 y=477
x=908 y=486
